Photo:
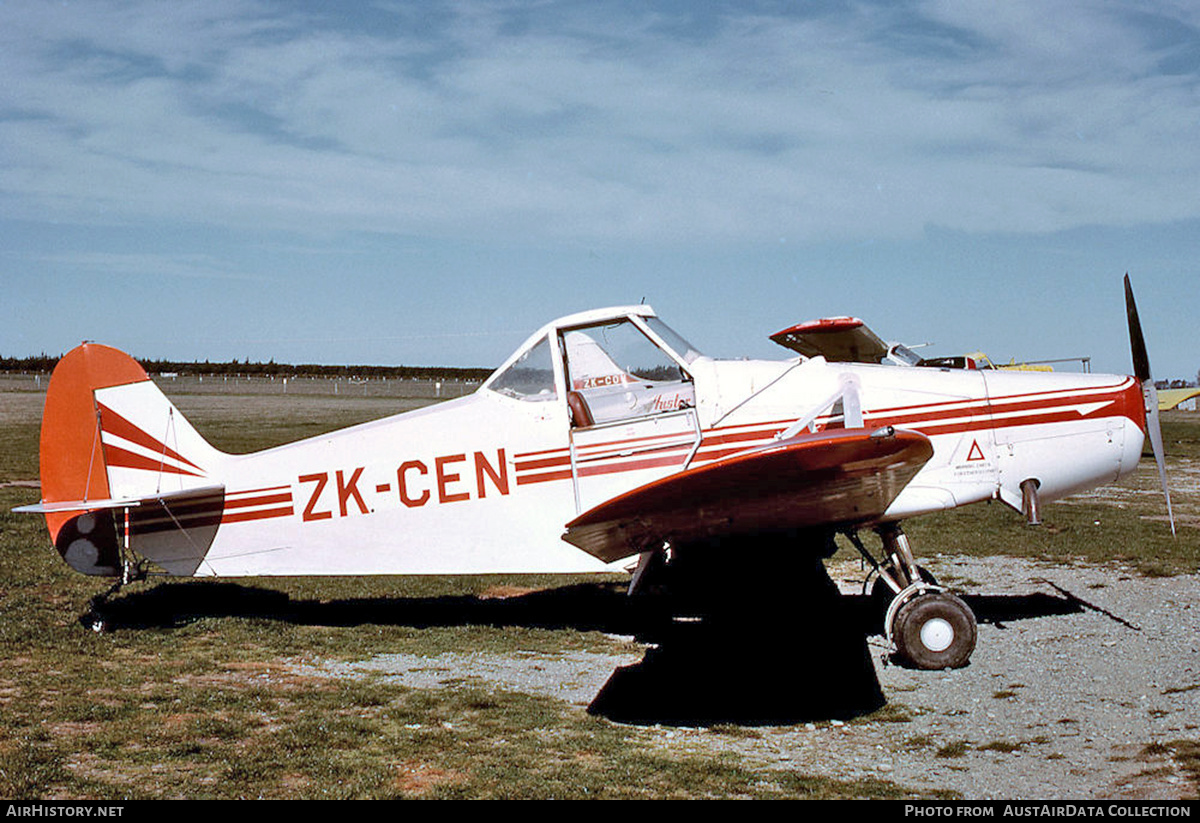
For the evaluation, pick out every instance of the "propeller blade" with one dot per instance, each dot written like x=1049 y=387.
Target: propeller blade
x=1137 y=341
x=1141 y=370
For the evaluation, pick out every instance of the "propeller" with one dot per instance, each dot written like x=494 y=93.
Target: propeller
x=1141 y=370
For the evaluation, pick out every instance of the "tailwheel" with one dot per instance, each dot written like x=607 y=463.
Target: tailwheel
x=934 y=630
x=96 y=617
x=94 y=620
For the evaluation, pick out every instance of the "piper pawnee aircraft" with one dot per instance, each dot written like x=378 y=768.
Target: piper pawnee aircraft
x=605 y=438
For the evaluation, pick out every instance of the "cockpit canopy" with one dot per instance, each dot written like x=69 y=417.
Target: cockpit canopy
x=611 y=364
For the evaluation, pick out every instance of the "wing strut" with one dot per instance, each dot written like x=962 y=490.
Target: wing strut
x=847 y=392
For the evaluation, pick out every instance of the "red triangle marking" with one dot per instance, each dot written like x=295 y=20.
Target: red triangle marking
x=976 y=453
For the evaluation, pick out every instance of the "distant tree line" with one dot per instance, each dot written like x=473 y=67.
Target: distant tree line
x=41 y=363
x=45 y=363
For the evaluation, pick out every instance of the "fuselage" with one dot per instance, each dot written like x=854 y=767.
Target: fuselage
x=485 y=483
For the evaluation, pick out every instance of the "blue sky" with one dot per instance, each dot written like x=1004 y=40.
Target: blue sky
x=427 y=182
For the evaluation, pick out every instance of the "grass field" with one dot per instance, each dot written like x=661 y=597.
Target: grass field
x=204 y=692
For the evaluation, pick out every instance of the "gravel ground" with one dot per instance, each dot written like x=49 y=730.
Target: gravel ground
x=1079 y=695
x=1050 y=707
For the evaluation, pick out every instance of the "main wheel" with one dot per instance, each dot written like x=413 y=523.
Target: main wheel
x=935 y=631
x=882 y=594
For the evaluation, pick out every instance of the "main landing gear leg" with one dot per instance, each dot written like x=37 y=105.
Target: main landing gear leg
x=927 y=626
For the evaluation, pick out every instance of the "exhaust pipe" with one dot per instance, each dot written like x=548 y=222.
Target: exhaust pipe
x=1030 y=507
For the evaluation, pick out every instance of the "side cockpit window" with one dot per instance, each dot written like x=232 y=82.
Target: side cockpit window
x=619 y=373
x=530 y=377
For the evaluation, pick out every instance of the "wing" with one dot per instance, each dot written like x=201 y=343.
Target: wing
x=1170 y=398
x=837 y=339
x=834 y=478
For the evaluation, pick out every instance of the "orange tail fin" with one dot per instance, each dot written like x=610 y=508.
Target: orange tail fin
x=72 y=455
x=110 y=441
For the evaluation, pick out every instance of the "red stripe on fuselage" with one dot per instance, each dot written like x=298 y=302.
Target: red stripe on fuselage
x=265 y=514
x=278 y=497
x=933 y=419
x=247 y=502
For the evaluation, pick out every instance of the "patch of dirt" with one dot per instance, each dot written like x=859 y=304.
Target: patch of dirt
x=253 y=675
x=1143 y=492
x=76 y=729
x=415 y=777
x=505 y=592
x=573 y=677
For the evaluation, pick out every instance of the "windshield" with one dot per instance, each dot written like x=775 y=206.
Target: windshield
x=904 y=355
x=681 y=347
x=531 y=377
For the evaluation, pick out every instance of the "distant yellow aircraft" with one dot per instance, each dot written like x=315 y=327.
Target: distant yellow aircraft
x=986 y=362
x=1170 y=398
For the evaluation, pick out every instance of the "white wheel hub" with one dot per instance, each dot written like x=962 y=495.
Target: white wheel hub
x=937 y=634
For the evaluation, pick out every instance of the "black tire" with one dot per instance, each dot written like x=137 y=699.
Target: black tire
x=882 y=594
x=935 y=631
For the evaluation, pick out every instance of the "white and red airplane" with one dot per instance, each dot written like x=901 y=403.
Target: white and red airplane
x=605 y=438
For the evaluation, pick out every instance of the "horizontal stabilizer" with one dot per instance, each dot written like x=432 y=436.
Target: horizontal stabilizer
x=117 y=503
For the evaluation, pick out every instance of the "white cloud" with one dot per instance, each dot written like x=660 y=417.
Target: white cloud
x=875 y=122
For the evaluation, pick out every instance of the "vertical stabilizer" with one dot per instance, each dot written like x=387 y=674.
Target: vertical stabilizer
x=108 y=435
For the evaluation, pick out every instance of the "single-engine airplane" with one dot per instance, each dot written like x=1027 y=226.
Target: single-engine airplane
x=849 y=340
x=604 y=438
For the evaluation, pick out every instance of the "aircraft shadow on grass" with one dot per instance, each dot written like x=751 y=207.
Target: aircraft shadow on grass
x=756 y=660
